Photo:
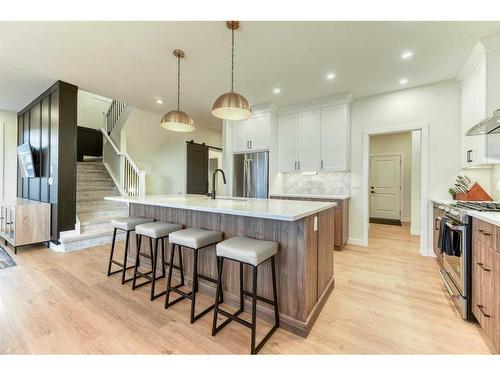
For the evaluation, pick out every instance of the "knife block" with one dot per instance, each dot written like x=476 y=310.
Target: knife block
x=475 y=193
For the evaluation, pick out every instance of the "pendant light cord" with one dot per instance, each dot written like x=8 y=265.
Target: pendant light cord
x=232 y=60
x=178 y=83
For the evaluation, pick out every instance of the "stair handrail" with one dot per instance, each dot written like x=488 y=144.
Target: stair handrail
x=140 y=173
x=113 y=114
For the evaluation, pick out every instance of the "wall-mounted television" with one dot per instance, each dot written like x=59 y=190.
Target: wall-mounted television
x=27 y=157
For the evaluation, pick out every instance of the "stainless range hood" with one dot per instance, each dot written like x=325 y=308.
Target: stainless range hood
x=490 y=125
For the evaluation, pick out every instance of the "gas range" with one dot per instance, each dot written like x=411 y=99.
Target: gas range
x=480 y=206
x=458 y=210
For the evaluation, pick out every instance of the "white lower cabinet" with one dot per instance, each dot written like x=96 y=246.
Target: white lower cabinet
x=314 y=140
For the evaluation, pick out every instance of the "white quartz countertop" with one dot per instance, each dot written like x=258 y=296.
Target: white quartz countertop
x=311 y=196
x=276 y=209
x=490 y=217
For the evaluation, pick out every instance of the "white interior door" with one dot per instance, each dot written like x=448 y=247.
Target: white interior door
x=385 y=187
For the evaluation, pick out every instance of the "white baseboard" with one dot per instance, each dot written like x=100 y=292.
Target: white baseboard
x=355 y=241
x=415 y=231
x=428 y=253
x=405 y=220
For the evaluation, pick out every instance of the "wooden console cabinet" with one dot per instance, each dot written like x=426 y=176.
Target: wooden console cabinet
x=486 y=279
x=341 y=216
x=24 y=222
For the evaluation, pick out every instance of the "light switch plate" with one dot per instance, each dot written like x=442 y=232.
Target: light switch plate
x=315 y=225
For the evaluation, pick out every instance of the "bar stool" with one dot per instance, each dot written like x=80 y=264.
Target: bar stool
x=252 y=252
x=194 y=239
x=156 y=231
x=125 y=224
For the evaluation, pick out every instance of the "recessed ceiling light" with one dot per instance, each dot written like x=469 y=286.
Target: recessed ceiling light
x=403 y=81
x=277 y=90
x=159 y=101
x=406 y=55
x=330 y=76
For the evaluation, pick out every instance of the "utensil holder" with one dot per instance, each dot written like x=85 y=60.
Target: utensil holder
x=475 y=193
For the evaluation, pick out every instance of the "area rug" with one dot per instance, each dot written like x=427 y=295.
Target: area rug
x=5 y=259
x=376 y=220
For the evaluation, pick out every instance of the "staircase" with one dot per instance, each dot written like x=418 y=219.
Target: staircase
x=93 y=212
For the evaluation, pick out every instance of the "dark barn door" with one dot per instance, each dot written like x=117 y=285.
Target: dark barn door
x=197 y=169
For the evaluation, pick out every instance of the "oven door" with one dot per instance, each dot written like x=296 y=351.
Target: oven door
x=454 y=271
x=453 y=264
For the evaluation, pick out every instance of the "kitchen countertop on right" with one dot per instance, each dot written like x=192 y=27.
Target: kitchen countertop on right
x=311 y=196
x=490 y=217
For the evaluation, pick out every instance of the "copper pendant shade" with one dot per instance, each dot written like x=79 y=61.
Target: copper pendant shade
x=177 y=120
x=231 y=105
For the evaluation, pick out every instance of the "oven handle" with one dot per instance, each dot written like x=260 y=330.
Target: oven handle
x=452 y=295
x=459 y=228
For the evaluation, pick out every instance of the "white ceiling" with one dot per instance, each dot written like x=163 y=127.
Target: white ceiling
x=133 y=61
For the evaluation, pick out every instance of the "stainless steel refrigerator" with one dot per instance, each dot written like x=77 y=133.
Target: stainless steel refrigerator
x=251 y=175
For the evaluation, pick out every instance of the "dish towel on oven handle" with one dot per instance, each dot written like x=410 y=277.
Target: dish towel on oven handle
x=448 y=240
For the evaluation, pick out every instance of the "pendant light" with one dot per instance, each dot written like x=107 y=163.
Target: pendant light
x=231 y=105
x=178 y=121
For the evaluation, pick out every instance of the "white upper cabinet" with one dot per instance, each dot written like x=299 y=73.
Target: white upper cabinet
x=314 y=139
x=308 y=141
x=251 y=134
x=335 y=138
x=260 y=131
x=287 y=143
x=241 y=134
x=480 y=78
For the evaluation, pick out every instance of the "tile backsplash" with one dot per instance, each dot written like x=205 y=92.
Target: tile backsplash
x=495 y=182
x=323 y=183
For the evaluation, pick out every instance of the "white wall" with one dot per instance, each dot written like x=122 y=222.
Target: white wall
x=495 y=179
x=8 y=154
x=439 y=106
x=162 y=153
x=90 y=109
x=395 y=144
x=416 y=139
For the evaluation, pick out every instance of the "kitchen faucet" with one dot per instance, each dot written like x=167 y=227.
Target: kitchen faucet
x=212 y=194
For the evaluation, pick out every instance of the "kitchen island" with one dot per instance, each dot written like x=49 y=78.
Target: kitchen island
x=303 y=230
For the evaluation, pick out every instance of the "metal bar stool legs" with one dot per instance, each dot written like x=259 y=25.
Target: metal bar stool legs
x=254 y=349
x=194 y=287
x=123 y=266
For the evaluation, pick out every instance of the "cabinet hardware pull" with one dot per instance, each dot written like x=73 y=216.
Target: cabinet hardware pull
x=483 y=267
x=321 y=164
x=298 y=163
x=295 y=165
x=481 y=308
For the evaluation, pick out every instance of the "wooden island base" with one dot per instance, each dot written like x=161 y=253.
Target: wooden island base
x=304 y=263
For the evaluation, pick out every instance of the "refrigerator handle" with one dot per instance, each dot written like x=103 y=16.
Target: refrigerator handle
x=244 y=177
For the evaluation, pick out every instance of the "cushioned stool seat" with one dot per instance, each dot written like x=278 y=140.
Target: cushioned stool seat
x=157 y=229
x=195 y=238
x=129 y=223
x=247 y=250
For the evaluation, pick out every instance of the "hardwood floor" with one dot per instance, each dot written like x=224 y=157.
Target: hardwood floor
x=387 y=299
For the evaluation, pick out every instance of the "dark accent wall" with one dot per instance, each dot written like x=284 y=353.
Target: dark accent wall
x=49 y=125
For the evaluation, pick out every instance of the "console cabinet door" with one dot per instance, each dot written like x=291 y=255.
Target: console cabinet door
x=287 y=143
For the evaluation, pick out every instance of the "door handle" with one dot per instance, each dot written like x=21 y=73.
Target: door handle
x=483 y=267
x=481 y=308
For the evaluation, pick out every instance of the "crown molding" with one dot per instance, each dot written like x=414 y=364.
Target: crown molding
x=477 y=54
x=328 y=101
